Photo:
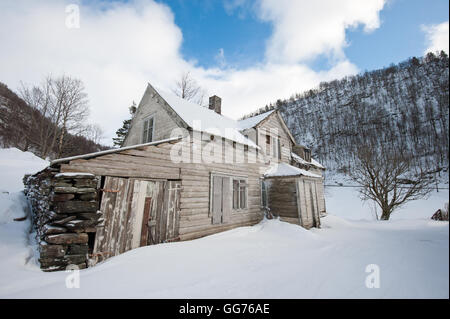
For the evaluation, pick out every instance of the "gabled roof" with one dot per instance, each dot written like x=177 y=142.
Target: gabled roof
x=286 y=170
x=253 y=121
x=203 y=119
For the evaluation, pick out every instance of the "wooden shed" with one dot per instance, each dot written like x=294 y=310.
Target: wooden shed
x=295 y=195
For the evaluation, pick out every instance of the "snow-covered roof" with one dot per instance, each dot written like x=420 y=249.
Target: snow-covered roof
x=253 y=121
x=283 y=169
x=300 y=160
x=316 y=163
x=113 y=150
x=205 y=120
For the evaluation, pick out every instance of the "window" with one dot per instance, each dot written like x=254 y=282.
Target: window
x=263 y=194
x=267 y=144
x=279 y=148
x=307 y=155
x=276 y=147
x=147 y=135
x=239 y=194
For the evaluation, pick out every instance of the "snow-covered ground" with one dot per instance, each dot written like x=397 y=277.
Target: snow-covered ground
x=345 y=202
x=269 y=260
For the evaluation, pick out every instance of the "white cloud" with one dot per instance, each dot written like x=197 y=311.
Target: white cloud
x=436 y=37
x=119 y=47
x=303 y=29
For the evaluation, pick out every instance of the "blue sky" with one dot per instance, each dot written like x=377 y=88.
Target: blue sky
x=271 y=49
x=207 y=27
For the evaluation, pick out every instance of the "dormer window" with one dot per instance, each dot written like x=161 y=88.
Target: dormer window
x=307 y=155
x=147 y=135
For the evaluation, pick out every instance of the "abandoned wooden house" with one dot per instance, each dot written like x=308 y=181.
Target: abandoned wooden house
x=184 y=172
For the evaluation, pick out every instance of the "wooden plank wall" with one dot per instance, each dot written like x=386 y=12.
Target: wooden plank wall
x=282 y=198
x=306 y=208
x=164 y=122
x=195 y=218
x=147 y=162
x=273 y=122
x=154 y=162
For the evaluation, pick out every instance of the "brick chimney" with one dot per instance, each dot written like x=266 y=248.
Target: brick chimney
x=215 y=104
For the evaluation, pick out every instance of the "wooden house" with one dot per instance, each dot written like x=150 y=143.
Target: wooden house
x=187 y=171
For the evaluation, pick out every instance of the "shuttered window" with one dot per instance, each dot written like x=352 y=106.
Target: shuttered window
x=147 y=135
x=239 y=194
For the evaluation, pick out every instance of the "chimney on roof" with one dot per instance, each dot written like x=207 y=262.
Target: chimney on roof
x=215 y=104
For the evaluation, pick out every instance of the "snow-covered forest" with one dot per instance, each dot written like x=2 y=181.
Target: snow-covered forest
x=403 y=107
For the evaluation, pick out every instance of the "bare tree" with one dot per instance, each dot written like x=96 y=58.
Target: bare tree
x=40 y=98
x=188 y=89
x=71 y=100
x=94 y=132
x=62 y=102
x=389 y=178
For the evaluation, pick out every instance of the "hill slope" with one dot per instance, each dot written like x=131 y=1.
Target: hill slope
x=404 y=106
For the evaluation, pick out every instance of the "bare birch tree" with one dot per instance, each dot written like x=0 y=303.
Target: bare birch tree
x=62 y=102
x=188 y=89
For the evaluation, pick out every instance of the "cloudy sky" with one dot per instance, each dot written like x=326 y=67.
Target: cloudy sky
x=248 y=52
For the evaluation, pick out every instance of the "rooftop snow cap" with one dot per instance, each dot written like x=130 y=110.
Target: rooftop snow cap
x=215 y=104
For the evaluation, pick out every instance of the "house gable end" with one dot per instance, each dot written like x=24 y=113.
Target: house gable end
x=165 y=118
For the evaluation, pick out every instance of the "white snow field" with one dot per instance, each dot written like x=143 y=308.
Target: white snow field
x=270 y=260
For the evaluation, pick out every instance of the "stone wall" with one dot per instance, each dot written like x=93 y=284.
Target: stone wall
x=64 y=215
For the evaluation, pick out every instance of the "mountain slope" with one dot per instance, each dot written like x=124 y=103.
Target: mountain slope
x=404 y=106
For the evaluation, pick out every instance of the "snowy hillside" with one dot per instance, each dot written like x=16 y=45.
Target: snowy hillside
x=270 y=260
x=404 y=107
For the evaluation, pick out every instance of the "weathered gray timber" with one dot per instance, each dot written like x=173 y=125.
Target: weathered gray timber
x=295 y=200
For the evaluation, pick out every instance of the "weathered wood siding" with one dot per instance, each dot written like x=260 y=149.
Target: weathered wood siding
x=308 y=202
x=273 y=122
x=165 y=119
x=154 y=162
x=282 y=197
x=296 y=200
x=196 y=213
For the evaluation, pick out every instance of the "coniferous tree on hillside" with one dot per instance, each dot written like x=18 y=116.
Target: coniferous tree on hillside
x=123 y=131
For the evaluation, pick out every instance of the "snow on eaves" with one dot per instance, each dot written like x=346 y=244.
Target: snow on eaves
x=300 y=160
x=253 y=121
x=316 y=163
x=114 y=150
x=283 y=169
x=203 y=119
x=74 y=174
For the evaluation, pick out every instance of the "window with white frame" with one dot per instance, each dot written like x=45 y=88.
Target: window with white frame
x=276 y=147
x=147 y=134
x=239 y=193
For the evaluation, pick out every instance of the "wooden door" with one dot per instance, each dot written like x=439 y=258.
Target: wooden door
x=309 y=204
x=136 y=213
x=221 y=199
x=113 y=236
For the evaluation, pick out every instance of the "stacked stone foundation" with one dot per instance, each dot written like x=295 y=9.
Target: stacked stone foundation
x=64 y=215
